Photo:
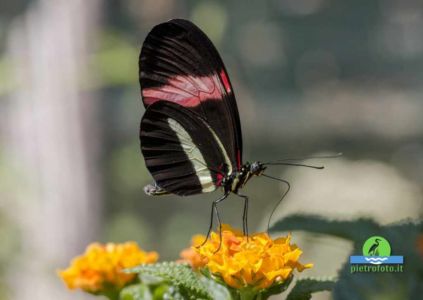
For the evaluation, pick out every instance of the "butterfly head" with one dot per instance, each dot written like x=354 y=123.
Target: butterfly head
x=256 y=168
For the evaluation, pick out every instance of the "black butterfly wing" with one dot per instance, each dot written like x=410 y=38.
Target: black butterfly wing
x=182 y=152
x=178 y=63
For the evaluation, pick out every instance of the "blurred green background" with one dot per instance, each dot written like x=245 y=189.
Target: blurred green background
x=310 y=77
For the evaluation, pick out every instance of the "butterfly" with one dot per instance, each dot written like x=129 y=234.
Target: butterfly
x=190 y=133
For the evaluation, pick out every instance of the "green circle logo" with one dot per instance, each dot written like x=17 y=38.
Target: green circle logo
x=376 y=246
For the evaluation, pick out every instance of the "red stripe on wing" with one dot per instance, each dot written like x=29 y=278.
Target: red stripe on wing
x=225 y=81
x=187 y=91
x=219 y=180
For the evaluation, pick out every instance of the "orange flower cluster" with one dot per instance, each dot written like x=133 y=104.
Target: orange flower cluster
x=256 y=261
x=191 y=256
x=101 y=266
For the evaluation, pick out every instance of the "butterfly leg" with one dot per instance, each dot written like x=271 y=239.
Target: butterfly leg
x=245 y=215
x=280 y=200
x=214 y=210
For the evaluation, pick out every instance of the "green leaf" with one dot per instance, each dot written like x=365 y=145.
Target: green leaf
x=216 y=290
x=402 y=236
x=352 y=230
x=305 y=287
x=160 y=292
x=178 y=275
x=135 y=292
x=150 y=280
x=168 y=292
x=276 y=289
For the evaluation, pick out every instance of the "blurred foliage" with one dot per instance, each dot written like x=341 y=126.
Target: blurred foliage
x=305 y=287
x=213 y=18
x=7 y=83
x=8 y=11
x=403 y=237
x=116 y=61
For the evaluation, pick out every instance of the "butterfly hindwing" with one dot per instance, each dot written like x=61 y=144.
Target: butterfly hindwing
x=181 y=151
x=178 y=63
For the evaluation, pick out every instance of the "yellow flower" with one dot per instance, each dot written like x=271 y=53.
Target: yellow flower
x=191 y=256
x=256 y=261
x=100 y=267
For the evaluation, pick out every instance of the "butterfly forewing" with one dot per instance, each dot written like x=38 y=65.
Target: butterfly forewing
x=181 y=151
x=179 y=64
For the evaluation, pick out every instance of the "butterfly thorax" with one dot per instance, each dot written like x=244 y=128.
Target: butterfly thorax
x=237 y=179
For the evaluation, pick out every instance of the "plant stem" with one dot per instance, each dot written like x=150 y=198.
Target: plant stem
x=112 y=294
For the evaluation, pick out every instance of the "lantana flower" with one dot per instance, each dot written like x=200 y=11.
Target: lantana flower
x=191 y=255
x=255 y=262
x=100 y=267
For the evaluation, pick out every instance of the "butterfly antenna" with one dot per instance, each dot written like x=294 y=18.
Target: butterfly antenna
x=306 y=157
x=293 y=164
x=280 y=200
